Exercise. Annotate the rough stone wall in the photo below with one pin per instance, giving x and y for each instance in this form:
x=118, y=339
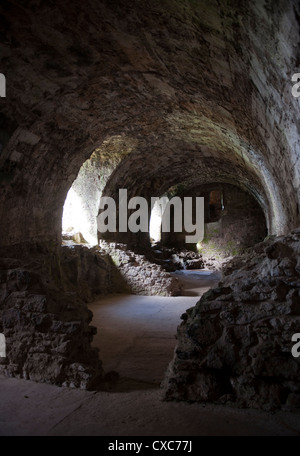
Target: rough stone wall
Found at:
x=243, y=220
x=47, y=331
x=235, y=345
x=86, y=271
x=241, y=223
x=113, y=268
x=44, y=316
x=203, y=88
x=82, y=203
x=135, y=274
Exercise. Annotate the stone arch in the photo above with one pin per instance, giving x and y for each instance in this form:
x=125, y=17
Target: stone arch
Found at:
x=211, y=101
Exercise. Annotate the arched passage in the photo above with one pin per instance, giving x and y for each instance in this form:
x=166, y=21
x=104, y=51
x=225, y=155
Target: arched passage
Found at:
x=102, y=176
x=198, y=92
x=175, y=111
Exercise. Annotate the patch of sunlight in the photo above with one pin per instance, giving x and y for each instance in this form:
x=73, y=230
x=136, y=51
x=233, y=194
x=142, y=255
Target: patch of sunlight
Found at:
x=75, y=218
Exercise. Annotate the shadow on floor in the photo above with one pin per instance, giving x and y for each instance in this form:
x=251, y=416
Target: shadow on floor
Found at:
x=126, y=384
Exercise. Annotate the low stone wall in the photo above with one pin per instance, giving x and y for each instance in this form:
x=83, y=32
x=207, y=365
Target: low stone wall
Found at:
x=86, y=271
x=43, y=311
x=135, y=274
x=113, y=268
x=235, y=345
x=48, y=337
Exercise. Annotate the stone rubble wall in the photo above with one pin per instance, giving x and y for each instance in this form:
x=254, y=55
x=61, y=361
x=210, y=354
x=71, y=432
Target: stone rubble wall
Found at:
x=44, y=316
x=48, y=337
x=86, y=271
x=135, y=274
x=235, y=345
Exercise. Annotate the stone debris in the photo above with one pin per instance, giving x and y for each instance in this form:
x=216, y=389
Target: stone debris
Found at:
x=172, y=259
x=48, y=337
x=235, y=345
x=135, y=274
x=44, y=315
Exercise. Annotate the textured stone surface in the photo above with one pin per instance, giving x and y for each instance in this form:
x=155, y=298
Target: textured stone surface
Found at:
x=172, y=259
x=86, y=271
x=133, y=273
x=235, y=344
x=202, y=90
x=195, y=92
x=82, y=202
x=44, y=316
x=47, y=331
x=239, y=223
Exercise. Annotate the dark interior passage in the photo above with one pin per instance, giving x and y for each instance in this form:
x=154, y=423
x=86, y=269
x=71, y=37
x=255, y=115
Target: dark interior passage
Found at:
x=176, y=98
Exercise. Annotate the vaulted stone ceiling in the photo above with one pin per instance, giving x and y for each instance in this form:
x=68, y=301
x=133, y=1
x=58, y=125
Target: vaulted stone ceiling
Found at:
x=201, y=90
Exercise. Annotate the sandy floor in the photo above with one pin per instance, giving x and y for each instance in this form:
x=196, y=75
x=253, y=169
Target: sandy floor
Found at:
x=136, y=335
